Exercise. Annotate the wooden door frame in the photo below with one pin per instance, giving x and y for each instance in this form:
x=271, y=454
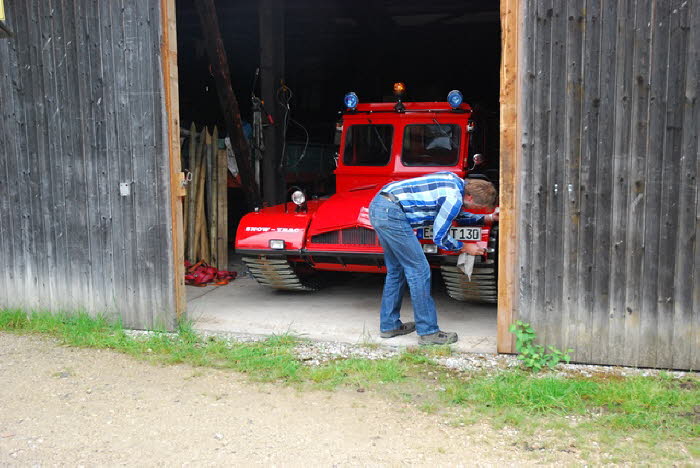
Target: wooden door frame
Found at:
x=510, y=156
x=177, y=191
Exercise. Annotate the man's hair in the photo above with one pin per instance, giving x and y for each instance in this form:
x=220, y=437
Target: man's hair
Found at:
x=482, y=191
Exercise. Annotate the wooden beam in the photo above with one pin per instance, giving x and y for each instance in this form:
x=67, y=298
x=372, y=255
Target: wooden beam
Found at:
x=272, y=45
x=172, y=107
x=222, y=216
x=213, y=195
x=227, y=98
x=509, y=179
x=193, y=163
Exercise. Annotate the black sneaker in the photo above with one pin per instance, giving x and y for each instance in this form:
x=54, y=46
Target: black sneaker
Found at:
x=438, y=338
x=404, y=329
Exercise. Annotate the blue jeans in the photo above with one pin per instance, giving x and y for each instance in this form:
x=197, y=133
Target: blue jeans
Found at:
x=405, y=264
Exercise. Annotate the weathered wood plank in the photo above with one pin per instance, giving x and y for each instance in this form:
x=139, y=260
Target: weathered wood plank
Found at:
x=686, y=304
x=551, y=323
x=89, y=158
x=33, y=131
x=540, y=155
x=656, y=115
x=572, y=154
x=8, y=125
x=144, y=160
x=528, y=73
x=101, y=154
x=603, y=174
x=620, y=181
x=111, y=54
x=670, y=181
x=589, y=158
x=20, y=195
x=636, y=174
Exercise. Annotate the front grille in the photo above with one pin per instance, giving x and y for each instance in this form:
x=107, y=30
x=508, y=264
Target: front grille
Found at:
x=353, y=236
x=354, y=260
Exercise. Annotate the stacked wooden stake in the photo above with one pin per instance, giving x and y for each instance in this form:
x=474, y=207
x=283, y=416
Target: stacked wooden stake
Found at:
x=206, y=202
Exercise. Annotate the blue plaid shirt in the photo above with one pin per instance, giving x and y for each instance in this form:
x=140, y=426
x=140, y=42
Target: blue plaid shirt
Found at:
x=434, y=199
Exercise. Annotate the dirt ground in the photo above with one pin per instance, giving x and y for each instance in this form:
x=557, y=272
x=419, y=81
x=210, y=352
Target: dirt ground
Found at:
x=68, y=406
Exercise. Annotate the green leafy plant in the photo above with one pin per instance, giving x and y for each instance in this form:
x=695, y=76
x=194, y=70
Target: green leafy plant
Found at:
x=533, y=355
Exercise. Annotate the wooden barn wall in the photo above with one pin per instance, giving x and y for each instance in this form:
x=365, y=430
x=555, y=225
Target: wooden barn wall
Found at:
x=81, y=111
x=609, y=208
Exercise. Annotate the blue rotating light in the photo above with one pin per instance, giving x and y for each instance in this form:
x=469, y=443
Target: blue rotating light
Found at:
x=351, y=100
x=454, y=98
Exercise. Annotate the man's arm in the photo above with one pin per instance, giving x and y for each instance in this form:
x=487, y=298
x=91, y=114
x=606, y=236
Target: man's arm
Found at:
x=469, y=219
x=443, y=221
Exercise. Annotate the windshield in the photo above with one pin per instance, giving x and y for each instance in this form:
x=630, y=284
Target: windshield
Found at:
x=431, y=145
x=368, y=145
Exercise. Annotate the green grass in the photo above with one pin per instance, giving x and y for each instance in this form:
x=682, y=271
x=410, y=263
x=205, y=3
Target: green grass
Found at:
x=659, y=404
x=629, y=416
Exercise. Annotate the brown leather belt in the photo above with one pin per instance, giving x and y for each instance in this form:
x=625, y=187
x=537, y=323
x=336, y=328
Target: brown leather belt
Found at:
x=389, y=197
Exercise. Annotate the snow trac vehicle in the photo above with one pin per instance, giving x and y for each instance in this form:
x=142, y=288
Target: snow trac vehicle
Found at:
x=288, y=246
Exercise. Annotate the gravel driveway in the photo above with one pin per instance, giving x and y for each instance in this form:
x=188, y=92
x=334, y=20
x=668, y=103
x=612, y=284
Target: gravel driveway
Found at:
x=68, y=406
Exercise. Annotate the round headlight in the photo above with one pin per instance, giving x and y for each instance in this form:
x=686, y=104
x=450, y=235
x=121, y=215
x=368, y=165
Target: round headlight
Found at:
x=351, y=100
x=454, y=97
x=298, y=197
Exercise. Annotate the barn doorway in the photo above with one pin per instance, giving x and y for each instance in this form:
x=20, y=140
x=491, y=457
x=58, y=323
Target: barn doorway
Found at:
x=329, y=48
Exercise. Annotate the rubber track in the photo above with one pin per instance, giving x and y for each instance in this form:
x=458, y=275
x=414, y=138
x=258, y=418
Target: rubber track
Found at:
x=276, y=273
x=483, y=286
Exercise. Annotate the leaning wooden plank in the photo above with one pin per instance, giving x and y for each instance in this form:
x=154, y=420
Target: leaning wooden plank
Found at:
x=213, y=191
x=208, y=156
x=222, y=211
x=194, y=149
x=204, y=240
x=199, y=210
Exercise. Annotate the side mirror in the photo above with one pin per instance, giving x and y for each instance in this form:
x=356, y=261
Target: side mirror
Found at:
x=479, y=159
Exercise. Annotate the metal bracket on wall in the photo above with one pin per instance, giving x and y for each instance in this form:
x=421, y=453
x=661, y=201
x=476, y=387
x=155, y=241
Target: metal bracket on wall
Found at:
x=124, y=189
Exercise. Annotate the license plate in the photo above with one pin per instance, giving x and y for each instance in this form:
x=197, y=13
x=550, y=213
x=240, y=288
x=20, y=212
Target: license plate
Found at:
x=458, y=233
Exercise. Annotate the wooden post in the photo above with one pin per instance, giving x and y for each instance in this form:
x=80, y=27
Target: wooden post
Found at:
x=222, y=215
x=199, y=210
x=271, y=21
x=213, y=197
x=227, y=98
x=509, y=184
x=170, y=84
x=195, y=150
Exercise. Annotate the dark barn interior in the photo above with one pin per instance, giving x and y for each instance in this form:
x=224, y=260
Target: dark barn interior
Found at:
x=331, y=47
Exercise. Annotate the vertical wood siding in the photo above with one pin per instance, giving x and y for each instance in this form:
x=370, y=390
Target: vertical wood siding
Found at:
x=81, y=111
x=609, y=204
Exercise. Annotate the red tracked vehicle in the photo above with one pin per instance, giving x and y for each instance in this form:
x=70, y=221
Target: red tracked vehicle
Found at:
x=288, y=246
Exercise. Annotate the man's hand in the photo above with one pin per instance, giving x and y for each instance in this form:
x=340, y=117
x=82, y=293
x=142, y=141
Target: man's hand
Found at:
x=472, y=249
x=491, y=218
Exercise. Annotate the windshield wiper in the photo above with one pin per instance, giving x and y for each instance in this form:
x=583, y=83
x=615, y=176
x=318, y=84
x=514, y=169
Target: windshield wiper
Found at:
x=440, y=127
x=374, y=127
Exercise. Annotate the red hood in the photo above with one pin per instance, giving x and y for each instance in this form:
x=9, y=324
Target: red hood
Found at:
x=343, y=210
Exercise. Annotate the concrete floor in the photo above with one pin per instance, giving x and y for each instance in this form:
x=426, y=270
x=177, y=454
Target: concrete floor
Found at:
x=347, y=311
